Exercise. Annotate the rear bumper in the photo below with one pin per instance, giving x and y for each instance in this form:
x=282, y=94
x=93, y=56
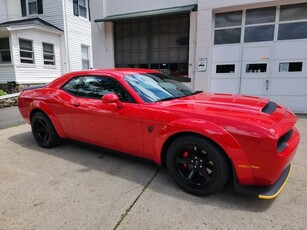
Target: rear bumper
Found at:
x=261, y=192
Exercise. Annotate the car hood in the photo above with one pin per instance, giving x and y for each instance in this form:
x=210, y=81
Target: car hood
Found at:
x=222, y=108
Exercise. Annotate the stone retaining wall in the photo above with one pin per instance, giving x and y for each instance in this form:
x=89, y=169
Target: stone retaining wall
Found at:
x=9, y=100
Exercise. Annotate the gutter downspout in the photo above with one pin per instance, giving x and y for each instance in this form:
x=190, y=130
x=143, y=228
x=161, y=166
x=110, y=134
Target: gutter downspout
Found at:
x=65, y=21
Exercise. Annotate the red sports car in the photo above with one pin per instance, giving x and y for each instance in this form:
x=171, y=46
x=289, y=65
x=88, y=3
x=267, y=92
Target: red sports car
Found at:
x=202, y=138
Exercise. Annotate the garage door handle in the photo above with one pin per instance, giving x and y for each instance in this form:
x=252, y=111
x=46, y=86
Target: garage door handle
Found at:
x=267, y=85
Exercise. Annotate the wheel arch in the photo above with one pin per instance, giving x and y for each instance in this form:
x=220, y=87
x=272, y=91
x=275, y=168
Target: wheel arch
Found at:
x=172, y=138
x=211, y=132
x=39, y=106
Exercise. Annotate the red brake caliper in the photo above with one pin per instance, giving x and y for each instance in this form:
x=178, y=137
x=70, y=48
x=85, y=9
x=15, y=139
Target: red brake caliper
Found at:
x=185, y=155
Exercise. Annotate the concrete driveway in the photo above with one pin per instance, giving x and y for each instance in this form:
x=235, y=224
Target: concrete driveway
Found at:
x=75, y=186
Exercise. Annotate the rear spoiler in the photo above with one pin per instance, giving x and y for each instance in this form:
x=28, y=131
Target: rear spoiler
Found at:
x=34, y=87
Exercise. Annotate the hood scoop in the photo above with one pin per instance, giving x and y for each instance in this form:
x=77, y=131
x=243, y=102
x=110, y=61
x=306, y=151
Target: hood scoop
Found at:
x=269, y=108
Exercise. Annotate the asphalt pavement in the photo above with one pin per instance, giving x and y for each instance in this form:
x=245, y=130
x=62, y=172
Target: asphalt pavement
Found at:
x=74, y=186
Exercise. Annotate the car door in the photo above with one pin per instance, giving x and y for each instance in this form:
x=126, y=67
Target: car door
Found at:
x=104, y=124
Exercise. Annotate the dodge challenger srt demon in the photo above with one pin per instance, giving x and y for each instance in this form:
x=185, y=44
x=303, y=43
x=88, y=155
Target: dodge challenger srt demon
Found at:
x=202, y=138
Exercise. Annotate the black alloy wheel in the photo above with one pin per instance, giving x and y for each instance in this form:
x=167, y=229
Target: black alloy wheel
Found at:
x=43, y=131
x=197, y=165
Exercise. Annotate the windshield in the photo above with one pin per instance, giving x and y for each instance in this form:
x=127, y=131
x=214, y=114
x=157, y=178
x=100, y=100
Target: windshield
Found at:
x=152, y=87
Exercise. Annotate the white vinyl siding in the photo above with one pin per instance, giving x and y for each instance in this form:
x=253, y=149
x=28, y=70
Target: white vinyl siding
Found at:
x=7, y=73
x=3, y=11
x=79, y=33
x=52, y=11
x=37, y=72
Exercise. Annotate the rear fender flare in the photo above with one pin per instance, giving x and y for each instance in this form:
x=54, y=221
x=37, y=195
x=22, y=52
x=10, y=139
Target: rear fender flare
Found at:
x=41, y=105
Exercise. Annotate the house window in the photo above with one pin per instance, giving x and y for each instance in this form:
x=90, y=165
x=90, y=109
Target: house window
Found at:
x=30, y=7
x=5, y=54
x=26, y=51
x=85, y=57
x=80, y=8
x=48, y=52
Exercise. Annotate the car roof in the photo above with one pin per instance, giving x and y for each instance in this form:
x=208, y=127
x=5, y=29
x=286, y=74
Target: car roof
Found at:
x=118, y=71
x=115, y=72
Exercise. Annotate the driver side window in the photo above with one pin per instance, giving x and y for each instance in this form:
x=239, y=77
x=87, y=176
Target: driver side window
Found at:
x=95, y=87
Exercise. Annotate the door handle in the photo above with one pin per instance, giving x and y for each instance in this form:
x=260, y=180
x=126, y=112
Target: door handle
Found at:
x=76, y=104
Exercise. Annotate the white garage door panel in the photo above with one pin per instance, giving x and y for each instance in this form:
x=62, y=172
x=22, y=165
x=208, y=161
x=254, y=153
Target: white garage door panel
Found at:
x=224, y=86
x=253, y=87
x=256, y=54
x=294, y=103
x=291, y=50
x=289, y=87
x=227, y=54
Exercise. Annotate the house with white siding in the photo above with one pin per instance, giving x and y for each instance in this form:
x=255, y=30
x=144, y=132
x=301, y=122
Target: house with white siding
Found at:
x=254, y=47
x=43, y=39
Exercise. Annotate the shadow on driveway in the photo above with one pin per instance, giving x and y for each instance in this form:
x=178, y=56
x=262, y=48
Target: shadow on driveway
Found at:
x=130, y=168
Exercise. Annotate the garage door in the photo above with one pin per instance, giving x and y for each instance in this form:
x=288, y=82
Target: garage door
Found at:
x=262, y=52
x=278, y=72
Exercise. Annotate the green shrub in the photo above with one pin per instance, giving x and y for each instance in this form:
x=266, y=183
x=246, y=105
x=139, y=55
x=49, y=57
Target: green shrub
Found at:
x=2, y=92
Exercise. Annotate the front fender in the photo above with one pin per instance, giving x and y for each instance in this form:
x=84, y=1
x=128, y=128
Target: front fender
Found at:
x=43, y=106
x=211, y=131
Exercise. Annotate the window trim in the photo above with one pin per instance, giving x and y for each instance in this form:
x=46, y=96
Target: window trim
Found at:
x=27, y=51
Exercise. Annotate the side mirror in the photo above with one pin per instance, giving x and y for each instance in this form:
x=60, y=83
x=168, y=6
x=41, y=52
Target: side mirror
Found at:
x=112, y=98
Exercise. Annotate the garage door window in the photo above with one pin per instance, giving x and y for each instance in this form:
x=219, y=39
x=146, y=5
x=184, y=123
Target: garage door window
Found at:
x=290, y=66
x=293, y=12
x=228, y=28
x=293, y=22
x=258, y=25
x=225, y=68
x=256, y=68
x=262, y=15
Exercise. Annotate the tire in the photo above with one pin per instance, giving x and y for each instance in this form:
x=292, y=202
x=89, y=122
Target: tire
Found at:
x=43, y=131
x=197, y=165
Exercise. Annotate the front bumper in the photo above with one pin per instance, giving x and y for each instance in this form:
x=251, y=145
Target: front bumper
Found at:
x=262, y=192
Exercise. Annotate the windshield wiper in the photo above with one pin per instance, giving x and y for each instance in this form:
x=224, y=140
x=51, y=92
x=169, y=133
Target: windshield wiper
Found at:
x=168, y=98
x=196, y=92
x=171, y=98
